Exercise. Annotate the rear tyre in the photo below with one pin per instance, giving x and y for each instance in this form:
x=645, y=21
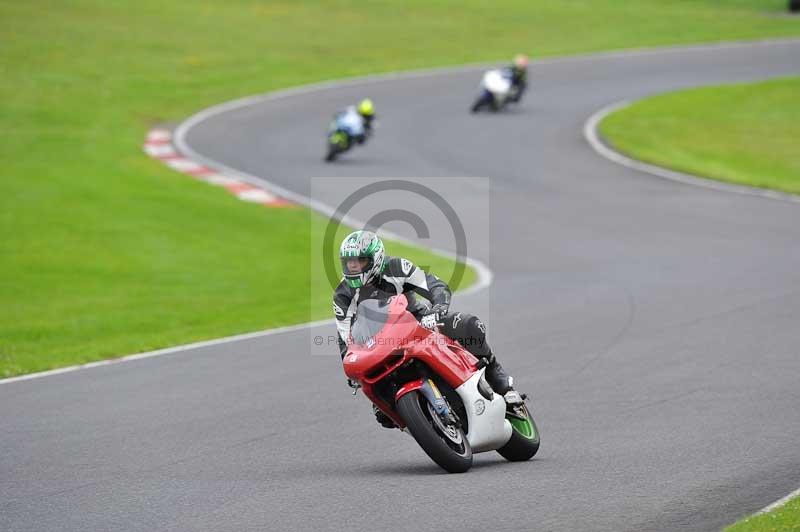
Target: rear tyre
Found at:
x=448, y=447
x=524, y=442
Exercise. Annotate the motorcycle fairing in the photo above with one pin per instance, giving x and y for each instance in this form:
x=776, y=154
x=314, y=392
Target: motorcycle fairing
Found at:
x=392, y=346
x=489, y=429
x=428, y=388
x=401, y=340
x=498, y=84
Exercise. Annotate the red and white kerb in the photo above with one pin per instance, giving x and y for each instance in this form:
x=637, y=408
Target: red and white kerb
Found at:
x=158, y=145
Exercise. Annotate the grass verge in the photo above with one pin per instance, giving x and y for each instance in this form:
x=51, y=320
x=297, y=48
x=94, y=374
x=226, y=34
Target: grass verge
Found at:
x=783, y=519
x=745, y=134
x=104, y=251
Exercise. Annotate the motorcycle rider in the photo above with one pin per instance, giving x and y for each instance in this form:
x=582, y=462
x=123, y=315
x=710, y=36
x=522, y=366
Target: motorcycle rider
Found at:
x=356, y=121
x=366, y=109
x=518, y=73
x=370, y=274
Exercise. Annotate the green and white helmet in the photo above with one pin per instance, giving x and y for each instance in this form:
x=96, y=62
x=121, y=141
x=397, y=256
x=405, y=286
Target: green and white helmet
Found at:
x=367, y=248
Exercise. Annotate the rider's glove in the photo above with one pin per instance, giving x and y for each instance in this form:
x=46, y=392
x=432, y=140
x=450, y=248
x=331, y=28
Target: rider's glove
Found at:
x=429, y=321
x=440, y=309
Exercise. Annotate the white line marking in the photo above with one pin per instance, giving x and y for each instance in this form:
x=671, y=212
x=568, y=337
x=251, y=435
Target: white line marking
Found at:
x=202, y=115
x=592, y=136
x=779, y=502
x=256, y=195
x=220, y=180
x=484, y=274
x=159, y=150
x=183, y=165
x=171, y=350
x=159, y=135
x=590, y=132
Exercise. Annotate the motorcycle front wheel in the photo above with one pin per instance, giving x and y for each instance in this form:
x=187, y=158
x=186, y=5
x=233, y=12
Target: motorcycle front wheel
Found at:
x=483, y=100
x=445, y=445
x=331, y=155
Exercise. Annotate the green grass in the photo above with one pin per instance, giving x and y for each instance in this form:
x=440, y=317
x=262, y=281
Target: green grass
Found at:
x=783, y=519
x=745, y=134
x=105, y=252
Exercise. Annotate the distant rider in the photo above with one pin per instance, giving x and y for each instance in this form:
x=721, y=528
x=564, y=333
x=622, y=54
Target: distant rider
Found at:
x=366, y=109
x=370, y=274
x=518, y=73
x=356, y=121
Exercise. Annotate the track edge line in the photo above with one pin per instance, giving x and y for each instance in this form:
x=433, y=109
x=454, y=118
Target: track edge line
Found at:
x=602, y=148
x=485, y=275
x=780, y=502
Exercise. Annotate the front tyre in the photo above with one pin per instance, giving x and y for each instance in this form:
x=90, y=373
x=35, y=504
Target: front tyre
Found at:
x=331, y=155
x=483, y=100
x=524, y=442
x=446, y=445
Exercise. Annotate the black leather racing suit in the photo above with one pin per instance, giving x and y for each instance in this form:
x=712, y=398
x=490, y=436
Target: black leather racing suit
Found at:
x=400, y=276
x=368, y=119
x=519, y=82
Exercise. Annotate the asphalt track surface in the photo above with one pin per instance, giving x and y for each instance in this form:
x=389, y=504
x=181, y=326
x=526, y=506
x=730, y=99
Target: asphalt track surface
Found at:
x=654, y=323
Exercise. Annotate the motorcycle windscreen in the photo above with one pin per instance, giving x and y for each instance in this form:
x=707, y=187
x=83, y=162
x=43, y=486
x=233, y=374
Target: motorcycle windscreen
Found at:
x=496, y=82
x=351, y=122
x=371, y=316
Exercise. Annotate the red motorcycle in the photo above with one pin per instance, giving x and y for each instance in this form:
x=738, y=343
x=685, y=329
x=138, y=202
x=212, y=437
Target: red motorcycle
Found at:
x=433, y=388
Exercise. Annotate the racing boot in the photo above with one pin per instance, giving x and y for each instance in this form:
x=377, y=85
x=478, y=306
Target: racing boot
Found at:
x=383, y=419
x=500, y=381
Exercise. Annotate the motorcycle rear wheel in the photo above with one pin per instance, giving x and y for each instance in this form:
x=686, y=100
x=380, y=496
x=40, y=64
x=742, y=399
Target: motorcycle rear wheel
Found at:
x=451, y=452
x=525, y=439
